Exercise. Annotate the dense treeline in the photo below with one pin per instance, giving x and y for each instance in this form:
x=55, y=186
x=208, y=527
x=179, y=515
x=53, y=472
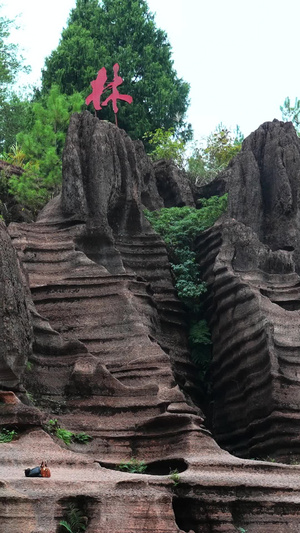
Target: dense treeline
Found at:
x=33, y=128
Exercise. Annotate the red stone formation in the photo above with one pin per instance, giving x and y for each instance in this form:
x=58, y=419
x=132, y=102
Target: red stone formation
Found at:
x=15, y=327
x=110, y=359
x=251, y=261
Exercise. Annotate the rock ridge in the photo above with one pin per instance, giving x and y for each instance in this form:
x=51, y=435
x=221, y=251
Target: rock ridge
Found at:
x=110, y=358
x=250, y=260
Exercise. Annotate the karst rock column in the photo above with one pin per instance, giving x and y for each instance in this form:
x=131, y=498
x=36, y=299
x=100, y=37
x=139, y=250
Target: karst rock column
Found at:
x=250, y=260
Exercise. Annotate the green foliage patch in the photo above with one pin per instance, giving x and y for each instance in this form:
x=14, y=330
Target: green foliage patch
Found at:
x=39, y=150
x=291, y=113
x=81, y=438
x=179, y=226
x=134, y=466
x=175, y=477
x=11, y=63
x=163, y=144
x=221, y=146
x=53, y=427
x=200, y=343
x=7, y=435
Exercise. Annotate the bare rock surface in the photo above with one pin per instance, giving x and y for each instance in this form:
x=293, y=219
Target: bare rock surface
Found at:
x=110, y=359
x=173, y=186
x=15, y=325
x=250, y=260
x=217, y=491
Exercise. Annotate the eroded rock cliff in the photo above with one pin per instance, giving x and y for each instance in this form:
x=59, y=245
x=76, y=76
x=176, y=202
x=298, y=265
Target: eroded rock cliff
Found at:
x=15, y=327
x=250, y=260
x=110, y=359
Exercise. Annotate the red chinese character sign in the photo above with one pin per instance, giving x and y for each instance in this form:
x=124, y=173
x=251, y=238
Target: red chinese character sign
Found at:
x=98, y=86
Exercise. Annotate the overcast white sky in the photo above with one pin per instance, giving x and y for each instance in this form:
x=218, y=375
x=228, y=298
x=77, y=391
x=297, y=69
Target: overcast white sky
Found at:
x=240, y=57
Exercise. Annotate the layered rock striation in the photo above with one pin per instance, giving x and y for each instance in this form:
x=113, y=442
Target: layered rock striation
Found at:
x=16, y=335
x=109, y=358
x=115, y=337
x=250, y=260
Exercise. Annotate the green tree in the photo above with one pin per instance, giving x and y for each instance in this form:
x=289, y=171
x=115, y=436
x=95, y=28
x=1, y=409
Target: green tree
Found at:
x=124, y=32
x=291, y=113
x=39, y=151
x=221, y=146
x=16, y=116
x=10, y=61
x=13, y=111
x=165, y=145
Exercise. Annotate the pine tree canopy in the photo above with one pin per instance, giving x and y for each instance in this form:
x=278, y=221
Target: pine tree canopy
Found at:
x=100, y=34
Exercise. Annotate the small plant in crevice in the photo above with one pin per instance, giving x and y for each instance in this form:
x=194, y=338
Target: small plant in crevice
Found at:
x=241, y=530
x=30, y=397
x=29, y=366
x=294, y=461
x=267, y=459
x=81, y=438
x=201, y=348
x=133, y=466
x=7, y=435
x=65, y=435
x=53, y=428
x=270, y=459
x=75, y=521
x=175, y=477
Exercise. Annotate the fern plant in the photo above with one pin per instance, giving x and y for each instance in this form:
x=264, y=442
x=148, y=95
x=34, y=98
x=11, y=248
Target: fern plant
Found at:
x=75, y=521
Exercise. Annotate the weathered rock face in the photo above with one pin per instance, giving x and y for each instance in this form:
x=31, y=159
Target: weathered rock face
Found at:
x=104, y=179
x=15, y=326
x=172, y=185
x=266, y=176
x=250, y=260
x=115, y=332
x=108, y=178
x=110, y=358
